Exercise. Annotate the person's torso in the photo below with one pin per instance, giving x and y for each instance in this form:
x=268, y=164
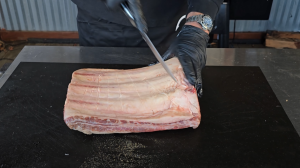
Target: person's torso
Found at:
x=157, y=12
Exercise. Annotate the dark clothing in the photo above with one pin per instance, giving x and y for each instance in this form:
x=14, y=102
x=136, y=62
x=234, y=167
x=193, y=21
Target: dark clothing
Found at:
x=107, y=34
x=99, y=26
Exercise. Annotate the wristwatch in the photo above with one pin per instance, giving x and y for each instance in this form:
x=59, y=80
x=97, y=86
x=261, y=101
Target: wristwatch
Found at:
x=204, y=20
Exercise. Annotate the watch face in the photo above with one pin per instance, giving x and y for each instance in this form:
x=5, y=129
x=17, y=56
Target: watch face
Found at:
x=207, y=21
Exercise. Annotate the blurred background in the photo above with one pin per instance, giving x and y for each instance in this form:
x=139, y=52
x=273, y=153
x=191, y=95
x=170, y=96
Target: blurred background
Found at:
x=240, y=24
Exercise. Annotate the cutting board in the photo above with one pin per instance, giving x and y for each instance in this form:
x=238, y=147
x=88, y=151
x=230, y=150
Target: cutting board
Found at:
x=242, y=125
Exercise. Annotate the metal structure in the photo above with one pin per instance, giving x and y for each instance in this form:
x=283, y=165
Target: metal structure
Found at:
x=38, y=15
x=60, y=15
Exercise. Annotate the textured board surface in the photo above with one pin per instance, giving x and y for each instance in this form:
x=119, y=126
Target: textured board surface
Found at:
x=242, y=125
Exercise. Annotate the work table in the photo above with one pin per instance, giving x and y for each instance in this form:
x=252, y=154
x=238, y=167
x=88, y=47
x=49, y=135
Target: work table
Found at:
x=281, y=67
x=248, y=96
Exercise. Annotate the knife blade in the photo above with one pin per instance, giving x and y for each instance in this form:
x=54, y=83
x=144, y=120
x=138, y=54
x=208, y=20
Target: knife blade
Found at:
x=148, y=41
x=157, y=55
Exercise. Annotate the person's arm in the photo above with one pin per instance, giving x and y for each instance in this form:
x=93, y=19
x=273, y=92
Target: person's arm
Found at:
x=191, y=42
x=136, y=9
x=207, y=7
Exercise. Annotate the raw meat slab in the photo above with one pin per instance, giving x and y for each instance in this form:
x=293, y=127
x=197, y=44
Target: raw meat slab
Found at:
x=102, y=101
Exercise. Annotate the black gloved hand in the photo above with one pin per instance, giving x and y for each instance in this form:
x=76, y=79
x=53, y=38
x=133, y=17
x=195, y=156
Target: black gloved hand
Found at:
x=135, y=8
x=190, y=48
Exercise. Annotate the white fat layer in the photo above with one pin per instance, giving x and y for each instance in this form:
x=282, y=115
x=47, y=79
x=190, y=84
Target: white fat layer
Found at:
x=133, y=96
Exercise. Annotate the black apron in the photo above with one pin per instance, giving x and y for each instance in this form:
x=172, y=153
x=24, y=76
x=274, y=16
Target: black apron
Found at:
x=99, y=26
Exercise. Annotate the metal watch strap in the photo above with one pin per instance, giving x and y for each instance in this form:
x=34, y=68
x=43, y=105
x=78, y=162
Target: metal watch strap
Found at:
x=195, y=18
x=198, y=18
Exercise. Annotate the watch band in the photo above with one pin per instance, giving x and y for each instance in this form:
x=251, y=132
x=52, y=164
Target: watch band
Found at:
x=199, y=19
x=195, y=18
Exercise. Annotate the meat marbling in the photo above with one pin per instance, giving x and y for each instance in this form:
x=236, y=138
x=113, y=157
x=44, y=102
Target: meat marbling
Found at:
x=103, y=101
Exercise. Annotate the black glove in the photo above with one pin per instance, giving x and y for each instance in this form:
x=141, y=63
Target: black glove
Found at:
x=190, y=48
x=135, y=8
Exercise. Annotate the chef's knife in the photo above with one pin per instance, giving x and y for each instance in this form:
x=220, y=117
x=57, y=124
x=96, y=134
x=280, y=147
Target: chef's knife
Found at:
x=148, y=41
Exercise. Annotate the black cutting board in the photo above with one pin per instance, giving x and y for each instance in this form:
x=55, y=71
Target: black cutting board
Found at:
x=243, y=125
